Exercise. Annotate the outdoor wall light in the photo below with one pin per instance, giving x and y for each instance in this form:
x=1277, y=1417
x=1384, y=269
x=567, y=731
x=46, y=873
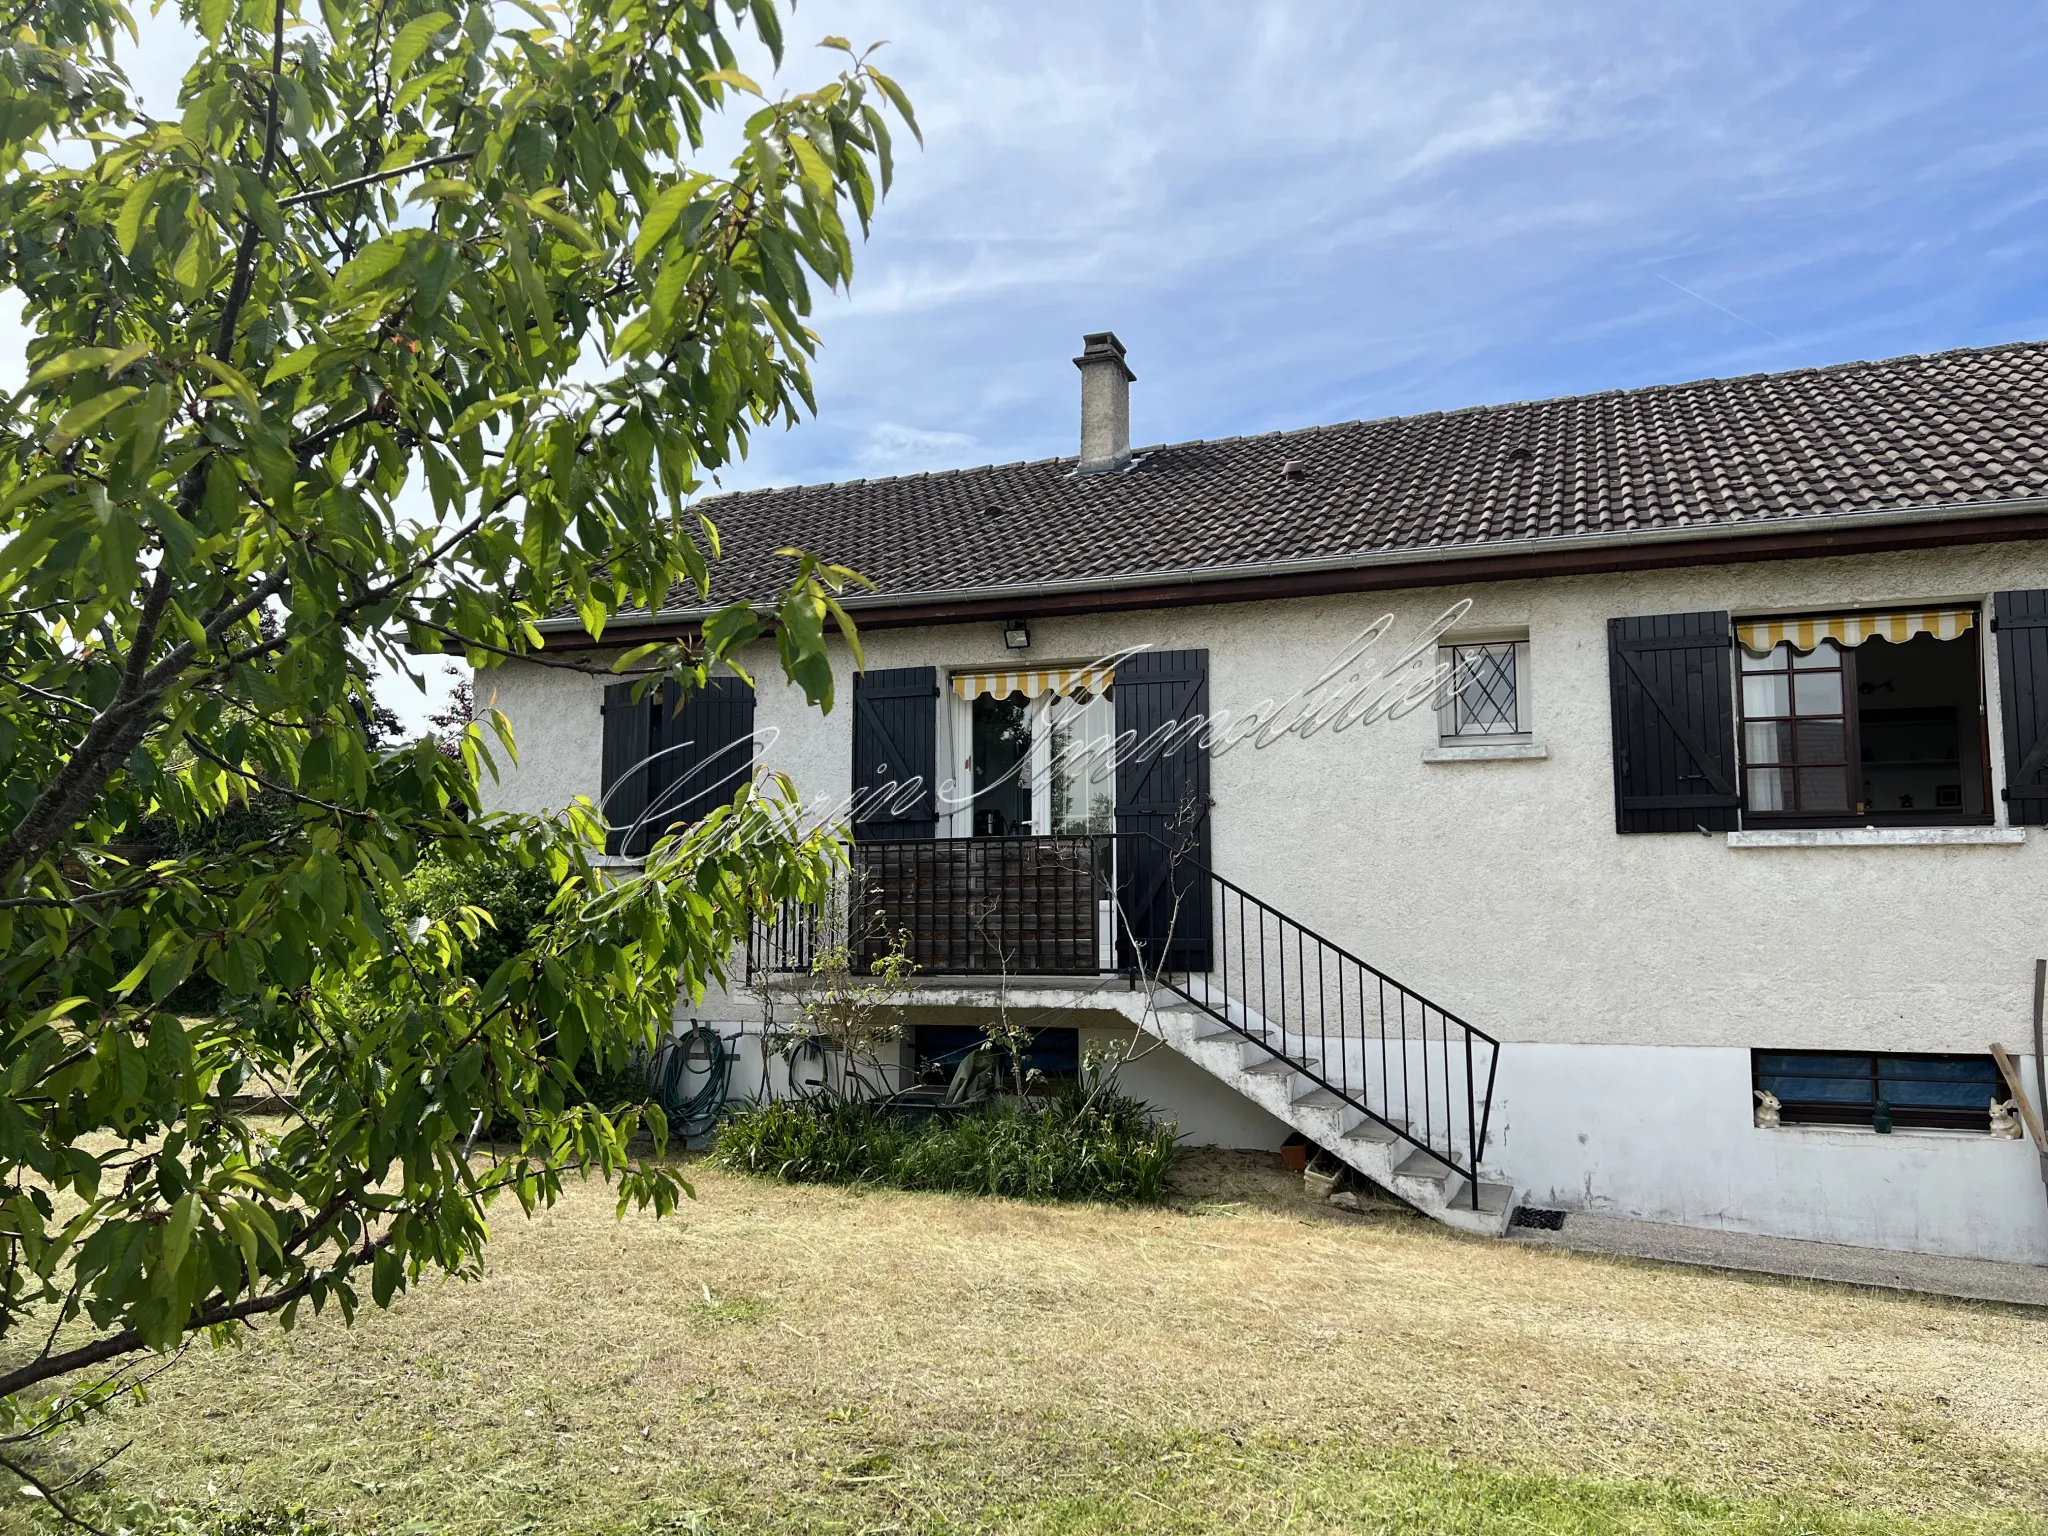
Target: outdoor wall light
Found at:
x=1017, y=635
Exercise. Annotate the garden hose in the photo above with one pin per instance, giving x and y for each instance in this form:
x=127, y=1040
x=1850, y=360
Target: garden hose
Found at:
x=799, y=1050
x=692, y=1112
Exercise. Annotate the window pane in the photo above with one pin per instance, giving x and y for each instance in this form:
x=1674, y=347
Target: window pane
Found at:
x=1822, y=741
x=1826, y=654
x=1799, y=1078
x=1765, y=695
x=1771, y=660
x=1002, y=766
x=1770, y=789
x=1847, y=1064
x=1485, y=689
x=1971, y=1083
x=1770, y=742
x=1823, y=789
x=1818, y=693
x=1083, y=763
x=1817, y=1090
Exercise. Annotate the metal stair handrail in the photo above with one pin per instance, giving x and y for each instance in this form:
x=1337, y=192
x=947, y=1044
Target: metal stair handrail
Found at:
x=1312, y=993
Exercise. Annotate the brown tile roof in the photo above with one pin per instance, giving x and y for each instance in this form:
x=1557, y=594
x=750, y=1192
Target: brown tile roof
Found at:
x=1967, y=426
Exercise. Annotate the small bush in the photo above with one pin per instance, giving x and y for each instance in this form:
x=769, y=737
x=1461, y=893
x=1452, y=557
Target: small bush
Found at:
x=1068, y=1148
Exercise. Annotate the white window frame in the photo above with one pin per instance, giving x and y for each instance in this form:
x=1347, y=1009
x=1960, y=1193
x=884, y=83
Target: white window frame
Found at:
x=959, y=822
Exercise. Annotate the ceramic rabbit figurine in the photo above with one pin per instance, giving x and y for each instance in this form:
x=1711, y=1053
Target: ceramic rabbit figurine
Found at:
x=2005, y=1120
x=1767, y=1107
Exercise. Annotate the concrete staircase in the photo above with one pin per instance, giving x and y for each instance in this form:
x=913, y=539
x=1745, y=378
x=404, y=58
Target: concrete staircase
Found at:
x=1226, y=1041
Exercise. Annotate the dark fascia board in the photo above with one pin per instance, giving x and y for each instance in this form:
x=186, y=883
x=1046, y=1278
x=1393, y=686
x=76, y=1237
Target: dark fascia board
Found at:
x=1801, y=538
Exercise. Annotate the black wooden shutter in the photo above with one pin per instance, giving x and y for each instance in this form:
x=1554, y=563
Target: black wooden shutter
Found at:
x=628, y=742
x=1674, y=723
x=704, y=746
x=2020, y=620
x=1162, y=808
x=895, y=753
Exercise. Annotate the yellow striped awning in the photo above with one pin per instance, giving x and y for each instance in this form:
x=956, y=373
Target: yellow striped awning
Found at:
x=1852, y=629
x=1061, y=680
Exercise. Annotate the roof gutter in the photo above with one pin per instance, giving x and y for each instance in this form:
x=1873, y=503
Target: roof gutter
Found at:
x=1763, y=538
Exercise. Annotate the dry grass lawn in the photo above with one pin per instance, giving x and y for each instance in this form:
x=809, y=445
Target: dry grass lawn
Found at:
x=818, y=1359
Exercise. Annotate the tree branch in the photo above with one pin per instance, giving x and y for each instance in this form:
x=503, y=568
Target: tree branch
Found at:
x=373, y=177
x=252, y=234
x=129, y=1340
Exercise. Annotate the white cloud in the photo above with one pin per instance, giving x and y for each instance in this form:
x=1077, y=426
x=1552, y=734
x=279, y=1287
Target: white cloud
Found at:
x=897, y=447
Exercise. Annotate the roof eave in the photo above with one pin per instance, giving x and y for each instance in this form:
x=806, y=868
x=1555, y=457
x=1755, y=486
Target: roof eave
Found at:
x=1556, y=549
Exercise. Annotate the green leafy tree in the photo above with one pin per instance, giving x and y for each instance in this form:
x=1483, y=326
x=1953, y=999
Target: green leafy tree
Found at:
x=414, y=326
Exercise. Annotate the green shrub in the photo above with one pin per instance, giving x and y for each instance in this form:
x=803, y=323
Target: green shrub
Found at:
x=1067, y=1148
x=517, y=897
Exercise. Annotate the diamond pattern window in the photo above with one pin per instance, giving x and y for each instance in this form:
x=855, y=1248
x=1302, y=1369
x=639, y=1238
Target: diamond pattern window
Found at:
x=1486, y=690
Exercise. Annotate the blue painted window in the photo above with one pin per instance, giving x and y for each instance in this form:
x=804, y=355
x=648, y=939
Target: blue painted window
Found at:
x=1843, y=1088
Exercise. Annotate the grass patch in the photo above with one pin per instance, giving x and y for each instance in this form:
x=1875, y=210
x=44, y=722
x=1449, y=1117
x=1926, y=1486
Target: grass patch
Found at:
x=710, y=1312
x=1236, y=1358
x=1187, y=1488
x=1070, y=1147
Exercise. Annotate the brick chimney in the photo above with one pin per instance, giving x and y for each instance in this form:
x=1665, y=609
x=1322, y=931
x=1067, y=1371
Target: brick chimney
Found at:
x=1105, y=404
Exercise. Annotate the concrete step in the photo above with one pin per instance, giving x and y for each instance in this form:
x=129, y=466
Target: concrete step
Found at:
x=1424, y=1168
x=1230, y=1037
x=1319, y=1098
x=1372, y=1131
x=1496, y=1206
x=1373, y=1151
x=1277, y=1066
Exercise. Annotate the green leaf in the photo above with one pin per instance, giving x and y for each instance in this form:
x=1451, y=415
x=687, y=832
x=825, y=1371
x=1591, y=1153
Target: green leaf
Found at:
x=731, y=77
x=128, y=224
x=77, y=360
x=86, y=415
x=812, y=171
x=661, y=217
x=377, y=261
x=213, y=18
x=386, y=1271
x=474, y=415
x=768, y=25
x=232, y=377
x=414, y=37
x=177, y=1242
x=291, y=364
x=899, y=101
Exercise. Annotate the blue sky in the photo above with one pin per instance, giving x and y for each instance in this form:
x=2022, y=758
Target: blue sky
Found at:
x=1305, y=213
x=1297, y=213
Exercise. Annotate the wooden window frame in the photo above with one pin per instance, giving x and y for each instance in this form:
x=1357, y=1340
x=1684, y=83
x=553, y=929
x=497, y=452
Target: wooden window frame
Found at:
x=1845, y=670
x=1858, y=816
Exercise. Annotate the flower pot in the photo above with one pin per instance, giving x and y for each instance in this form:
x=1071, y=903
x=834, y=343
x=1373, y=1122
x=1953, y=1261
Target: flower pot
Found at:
x=1320, y=1179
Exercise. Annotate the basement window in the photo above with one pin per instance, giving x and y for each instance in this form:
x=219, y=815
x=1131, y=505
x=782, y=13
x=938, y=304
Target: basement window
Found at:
x=1054, y=1054
x=1939, y=1092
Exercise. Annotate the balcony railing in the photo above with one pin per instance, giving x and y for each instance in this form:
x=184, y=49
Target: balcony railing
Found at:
x=977, y=906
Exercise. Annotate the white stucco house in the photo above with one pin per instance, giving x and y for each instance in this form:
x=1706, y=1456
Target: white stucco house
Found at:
x=1504, y=799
